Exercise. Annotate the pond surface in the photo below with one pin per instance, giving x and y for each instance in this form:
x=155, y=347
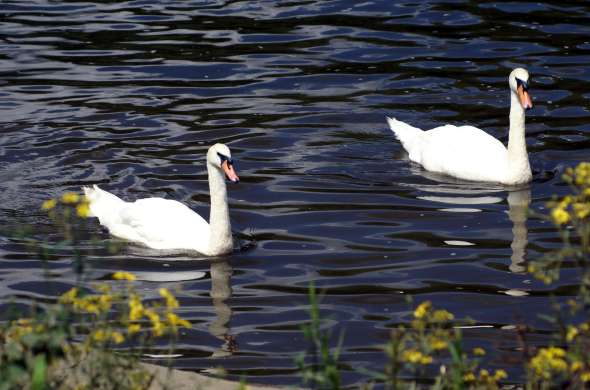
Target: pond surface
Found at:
x=129, y=95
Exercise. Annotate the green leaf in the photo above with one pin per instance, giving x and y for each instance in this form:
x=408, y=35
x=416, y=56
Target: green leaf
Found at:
x=39, y=373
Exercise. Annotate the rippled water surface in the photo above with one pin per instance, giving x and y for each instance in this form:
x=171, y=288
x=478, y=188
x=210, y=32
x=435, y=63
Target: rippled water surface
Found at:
x=129, y=95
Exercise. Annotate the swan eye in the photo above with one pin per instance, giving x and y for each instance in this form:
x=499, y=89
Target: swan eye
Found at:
x=524, y=84
x=225, y=158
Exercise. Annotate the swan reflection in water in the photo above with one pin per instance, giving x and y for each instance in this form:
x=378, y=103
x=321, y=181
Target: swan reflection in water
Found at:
x=457, y=192
x=220, y=272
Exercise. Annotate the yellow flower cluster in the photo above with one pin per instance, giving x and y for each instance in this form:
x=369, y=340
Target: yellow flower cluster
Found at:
x=159, y=324
x=19, y=329
x=122, y=275
x=171, y=302
x=101, y=304
x=573, y=208
x=579, y=176
x=422, y=309
x=416, y=357
x=424, y=312
x=548, y=361
x=102, y=336
x=437, y=343
x=70, y=199
x=484, y=379
x=96, y=304
x=552, y=361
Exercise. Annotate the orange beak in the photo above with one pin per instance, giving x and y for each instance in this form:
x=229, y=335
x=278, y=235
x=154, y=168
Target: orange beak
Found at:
x=230, y=173
x=525, y=99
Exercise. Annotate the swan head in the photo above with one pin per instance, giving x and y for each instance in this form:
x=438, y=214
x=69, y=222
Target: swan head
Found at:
x=519, y=85
x=219, y=156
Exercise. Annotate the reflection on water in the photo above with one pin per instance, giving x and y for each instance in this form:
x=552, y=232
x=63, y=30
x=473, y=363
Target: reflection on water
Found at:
x=221, y=272
x=518, y=203
x=518, y=209
x=129, y=95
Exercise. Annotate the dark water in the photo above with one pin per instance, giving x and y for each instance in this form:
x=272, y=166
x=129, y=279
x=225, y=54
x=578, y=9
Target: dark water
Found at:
x=129, y=95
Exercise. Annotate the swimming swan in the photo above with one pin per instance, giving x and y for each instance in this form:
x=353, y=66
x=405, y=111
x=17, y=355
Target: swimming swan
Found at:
x=167, y=224
x=469, y=153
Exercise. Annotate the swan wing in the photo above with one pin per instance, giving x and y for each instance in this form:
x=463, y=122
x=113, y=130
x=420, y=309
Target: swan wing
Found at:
x=465, y=152
x=162, y=224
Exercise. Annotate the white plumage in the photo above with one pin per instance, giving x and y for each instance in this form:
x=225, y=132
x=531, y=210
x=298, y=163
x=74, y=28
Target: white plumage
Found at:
x=469, y=153
x=167, y=224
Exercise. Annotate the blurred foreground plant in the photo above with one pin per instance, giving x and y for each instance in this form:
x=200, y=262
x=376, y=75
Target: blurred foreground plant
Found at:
x=571, y=215
x=567, y=363
x=72, y=343
x=323, y=371
x=430, y=346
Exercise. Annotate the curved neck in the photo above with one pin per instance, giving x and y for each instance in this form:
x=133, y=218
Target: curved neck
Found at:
x=220, y=239
x=517, y=153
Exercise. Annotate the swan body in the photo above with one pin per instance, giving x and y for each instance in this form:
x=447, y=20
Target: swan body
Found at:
x=469, y=153
x=167, y=224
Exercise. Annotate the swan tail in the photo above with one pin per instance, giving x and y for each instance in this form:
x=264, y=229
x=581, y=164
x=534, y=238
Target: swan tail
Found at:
x=410, y=137
x=102, y=203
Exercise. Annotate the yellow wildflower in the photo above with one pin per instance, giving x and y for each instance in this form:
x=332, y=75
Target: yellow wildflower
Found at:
x=484, y=374
x=414, y=356
x=48, y=204
x=426, y=360
x=69, y=296
x=136, y=309
x=70, y=198
x=422, y=309
x=157, y=326
x=83, y=210
x=105, y=302
x=19, y=328
x=171, y=302
x=99, y=335
x=582, y=173
x=133, y=328
x=560, y=216
x=175, y=321
x=585, y=327
x=500, y=374
x=442, y=316
x=581, y=210
x=117, y=337
x=548, y=360
x=478, y=351
x=438, y=344
x=585, y=376
x=469, y=377
x=87, y=305
x=576, y=366
x=122, y=275
x=572, y=332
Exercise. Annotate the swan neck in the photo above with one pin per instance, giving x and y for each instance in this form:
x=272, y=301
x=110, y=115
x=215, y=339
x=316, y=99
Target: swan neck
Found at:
x=517, y=151
x=220, y=240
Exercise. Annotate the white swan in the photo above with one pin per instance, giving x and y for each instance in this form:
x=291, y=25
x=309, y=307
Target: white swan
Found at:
x=167, y=224
x=469, y=153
